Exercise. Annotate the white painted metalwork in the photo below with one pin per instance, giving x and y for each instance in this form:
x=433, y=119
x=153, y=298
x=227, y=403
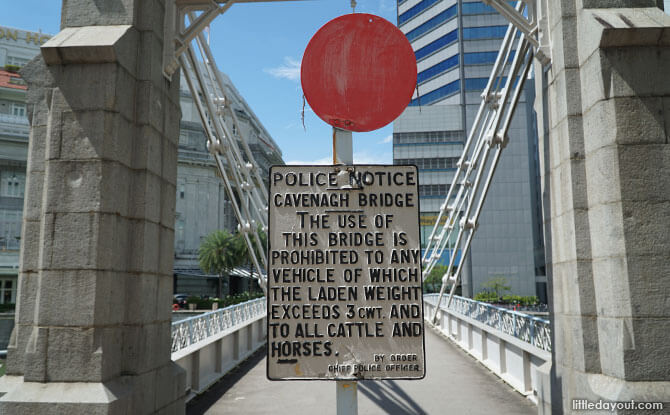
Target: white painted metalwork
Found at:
x=186, y=48
x=178, y=36
x=192, y=330
x=346, y=391
x=512, y=345
x=210, y=345
x=533, y=330
x=486, y=141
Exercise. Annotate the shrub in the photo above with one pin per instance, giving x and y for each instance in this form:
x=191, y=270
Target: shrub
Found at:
x=530, y=301
x=206, y=304
x=512, y=299
x=486, y=297
x=239, y=298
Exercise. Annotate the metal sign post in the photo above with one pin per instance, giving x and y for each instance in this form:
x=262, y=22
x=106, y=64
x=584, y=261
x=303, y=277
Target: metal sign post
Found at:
x=346, y=390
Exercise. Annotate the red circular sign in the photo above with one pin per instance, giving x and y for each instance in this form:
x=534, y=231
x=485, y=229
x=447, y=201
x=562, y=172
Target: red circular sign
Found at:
x=358, y=72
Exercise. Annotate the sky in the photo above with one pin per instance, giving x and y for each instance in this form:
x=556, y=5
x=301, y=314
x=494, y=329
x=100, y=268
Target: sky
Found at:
x=260, y=47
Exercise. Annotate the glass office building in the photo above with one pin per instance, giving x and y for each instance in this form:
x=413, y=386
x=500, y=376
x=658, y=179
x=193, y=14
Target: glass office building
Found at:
x=456, y=43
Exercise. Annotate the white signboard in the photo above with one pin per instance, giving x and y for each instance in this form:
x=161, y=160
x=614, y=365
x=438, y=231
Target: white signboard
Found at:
x=344, y=273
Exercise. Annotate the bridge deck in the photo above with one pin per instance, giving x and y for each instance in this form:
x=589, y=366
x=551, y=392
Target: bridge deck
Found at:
x=454, y=384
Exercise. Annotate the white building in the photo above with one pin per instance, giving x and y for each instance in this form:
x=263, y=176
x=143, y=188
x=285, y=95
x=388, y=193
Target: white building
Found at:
x=202, y=205
x=17, y=47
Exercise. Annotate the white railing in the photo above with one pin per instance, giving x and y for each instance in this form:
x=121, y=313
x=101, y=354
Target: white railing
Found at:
x=192, y=330
x=209, y=345
x=513, y=345
x=531, y=329
x=14, y=119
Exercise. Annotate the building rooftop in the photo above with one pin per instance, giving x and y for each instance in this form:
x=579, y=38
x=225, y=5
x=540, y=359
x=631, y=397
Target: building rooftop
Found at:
x=11, y=80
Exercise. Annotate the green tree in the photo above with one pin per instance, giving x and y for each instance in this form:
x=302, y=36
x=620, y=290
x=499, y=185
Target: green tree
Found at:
x=433, y=281
x=246, y=258
x=219, y=253
x=498, y=286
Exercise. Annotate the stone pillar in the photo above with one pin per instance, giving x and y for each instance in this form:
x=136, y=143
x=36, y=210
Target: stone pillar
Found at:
x=606, y=195
x=93, y=321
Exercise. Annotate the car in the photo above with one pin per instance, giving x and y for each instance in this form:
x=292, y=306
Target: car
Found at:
x=180, y=300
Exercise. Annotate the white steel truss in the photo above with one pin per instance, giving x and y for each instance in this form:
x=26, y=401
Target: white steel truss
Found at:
x=486, y=140
x=187, y=48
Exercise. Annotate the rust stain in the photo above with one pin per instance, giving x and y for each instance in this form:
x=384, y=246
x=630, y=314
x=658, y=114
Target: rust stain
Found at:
x=298, y=372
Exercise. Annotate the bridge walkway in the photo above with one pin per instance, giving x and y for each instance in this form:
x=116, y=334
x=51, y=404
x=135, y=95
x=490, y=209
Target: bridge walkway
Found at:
x=454, y=384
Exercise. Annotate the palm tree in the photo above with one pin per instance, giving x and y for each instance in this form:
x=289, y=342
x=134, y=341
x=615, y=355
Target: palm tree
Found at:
x=245, y=252
x=219, y=253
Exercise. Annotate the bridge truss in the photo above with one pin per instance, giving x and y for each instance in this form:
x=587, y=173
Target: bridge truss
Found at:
x=488, y=137
x=186, y=48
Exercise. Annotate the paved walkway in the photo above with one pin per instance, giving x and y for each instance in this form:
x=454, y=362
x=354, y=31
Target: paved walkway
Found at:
x=454, y=384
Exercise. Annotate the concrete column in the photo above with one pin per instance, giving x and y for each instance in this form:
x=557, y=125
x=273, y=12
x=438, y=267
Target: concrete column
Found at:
x=92, y=331
x=607, y=199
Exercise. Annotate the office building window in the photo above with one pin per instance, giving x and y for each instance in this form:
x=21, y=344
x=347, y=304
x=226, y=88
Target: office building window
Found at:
x=436, y=45
x=16, y=61
x=482, y=58
x=427, y=137
x=440, y=163
x=438, y=69
x=478, y=58
x=10, y=228
x=12, y=183
x=437, y=94
x=414, y=11
x=179, y=237
x=432, y=23
x=478, y=84
x=18, y=110
x=475, y=84
x=477, y=7
x=7, y=291
x=486, y=32
x=433, y=190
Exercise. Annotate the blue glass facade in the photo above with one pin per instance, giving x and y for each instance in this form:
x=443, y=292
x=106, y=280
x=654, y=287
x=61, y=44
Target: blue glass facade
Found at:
x=436, y=45
x=486, y=32
x=475, y=84
x=414, y=11
x=438, y=69
x=453, y=68
x=477, y=7
x=431, y=24
x=437, y=94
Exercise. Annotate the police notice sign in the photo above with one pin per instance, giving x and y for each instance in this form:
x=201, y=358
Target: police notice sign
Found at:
x=344, y=273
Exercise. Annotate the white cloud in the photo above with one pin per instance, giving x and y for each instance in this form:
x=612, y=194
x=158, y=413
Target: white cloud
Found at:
x=289, y=70
x=386, y=140
x=363, y=157
x=320, y=162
